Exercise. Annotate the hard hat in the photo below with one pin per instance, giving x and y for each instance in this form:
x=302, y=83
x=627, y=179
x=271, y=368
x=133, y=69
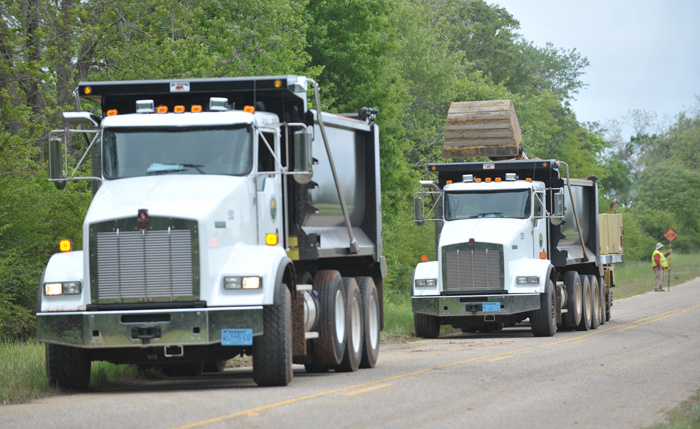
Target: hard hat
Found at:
x=659, y=246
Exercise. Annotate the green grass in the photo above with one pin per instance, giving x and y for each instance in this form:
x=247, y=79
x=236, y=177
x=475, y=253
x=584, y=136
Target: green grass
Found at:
x=637, y=277
x=23, y=374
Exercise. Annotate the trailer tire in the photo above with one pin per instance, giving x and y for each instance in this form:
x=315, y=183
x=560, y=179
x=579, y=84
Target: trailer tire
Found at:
x=330, y=345
x=353, y=327
x=595, y=302
x=601, y=297
x=67, y=367
x=371, y=318
x=586, y=304
x=608, y=305
x=574, y=293
x=544, y=320
x=272, y=351
x=426, y=326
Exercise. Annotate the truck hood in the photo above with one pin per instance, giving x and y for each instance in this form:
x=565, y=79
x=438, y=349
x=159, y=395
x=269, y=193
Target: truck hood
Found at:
x=488, y=230
x=182, y=196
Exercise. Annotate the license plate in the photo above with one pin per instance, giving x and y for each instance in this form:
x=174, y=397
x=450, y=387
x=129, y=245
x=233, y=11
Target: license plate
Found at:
x=491, y=307
x=236, y=337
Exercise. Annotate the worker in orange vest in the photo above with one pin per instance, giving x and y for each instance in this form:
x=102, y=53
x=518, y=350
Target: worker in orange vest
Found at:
x=659, y=264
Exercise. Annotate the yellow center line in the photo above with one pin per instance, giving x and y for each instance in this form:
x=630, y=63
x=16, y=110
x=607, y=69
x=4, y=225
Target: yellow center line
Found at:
x=369, y=389
x=501, y=358
x=372, y=385
x=582, y=341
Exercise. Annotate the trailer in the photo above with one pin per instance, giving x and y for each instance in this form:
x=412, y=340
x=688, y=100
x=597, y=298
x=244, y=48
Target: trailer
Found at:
x=220, y=226
x=515, y=240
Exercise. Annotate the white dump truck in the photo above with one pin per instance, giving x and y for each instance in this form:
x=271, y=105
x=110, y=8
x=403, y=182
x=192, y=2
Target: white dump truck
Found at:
x=220, y=226
x=515, y=239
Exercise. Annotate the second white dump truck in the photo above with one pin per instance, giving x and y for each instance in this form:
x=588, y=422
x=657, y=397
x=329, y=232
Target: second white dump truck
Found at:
x=221, y=226
x=515, y=239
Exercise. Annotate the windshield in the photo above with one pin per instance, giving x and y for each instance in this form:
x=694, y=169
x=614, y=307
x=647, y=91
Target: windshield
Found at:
x=472, y=205
x=131, y=152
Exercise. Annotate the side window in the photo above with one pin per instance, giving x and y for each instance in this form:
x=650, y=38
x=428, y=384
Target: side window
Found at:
x=266, y=161
x=539, y=207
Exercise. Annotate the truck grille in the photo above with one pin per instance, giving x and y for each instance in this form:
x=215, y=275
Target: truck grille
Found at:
x=477, y=270
x=134, y=266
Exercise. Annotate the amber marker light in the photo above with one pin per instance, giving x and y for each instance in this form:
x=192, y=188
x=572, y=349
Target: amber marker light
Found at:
x=278, y=84
x=179, y=109
x=477, y=180
x=424, y=258
x=196, y=108
x=162, y=109
x=249, y=109
x=271, y=239
x=87, y=90
x=112, y=112
x=543, y=255
x=528, y=180
x=488, y=179
x=65, y=245
x=449, y=182
x=498, y=179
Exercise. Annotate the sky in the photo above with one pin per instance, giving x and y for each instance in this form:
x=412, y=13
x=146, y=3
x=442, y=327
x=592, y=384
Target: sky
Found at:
x=643, y=54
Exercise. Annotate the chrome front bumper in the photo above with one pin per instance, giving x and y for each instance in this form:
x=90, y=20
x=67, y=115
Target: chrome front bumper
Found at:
x=487, y=305
x=146, y=328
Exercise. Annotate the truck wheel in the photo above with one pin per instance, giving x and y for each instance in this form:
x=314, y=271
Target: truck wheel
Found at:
x=574, y=297
x=371, y=321
x=595, y=303
x=330, y=345
x=544, y=320
x=353, y=327
x=601, y=286
x=586, y=305
x=272, y=351
x=67, y=367
x=426, y=326
x=608, y=305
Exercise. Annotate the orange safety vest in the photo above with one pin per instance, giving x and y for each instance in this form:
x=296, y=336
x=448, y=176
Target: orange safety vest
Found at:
x=664, y=263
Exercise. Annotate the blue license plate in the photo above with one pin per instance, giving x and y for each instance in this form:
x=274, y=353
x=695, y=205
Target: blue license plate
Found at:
x=491, y=307
x=236, y=337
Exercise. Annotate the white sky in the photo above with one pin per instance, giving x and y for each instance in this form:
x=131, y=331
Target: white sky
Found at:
x=643, y=54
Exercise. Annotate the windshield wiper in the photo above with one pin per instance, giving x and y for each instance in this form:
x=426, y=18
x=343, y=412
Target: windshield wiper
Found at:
x=499, y=214
x=158, y=168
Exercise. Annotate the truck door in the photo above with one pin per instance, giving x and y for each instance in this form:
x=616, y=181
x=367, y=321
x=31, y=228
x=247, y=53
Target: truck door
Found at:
x=269, y=182
x=539, y=229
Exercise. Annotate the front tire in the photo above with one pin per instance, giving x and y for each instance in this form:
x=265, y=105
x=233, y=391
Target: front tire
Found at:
x=272, y=351
x=371, y=317
x=67, y=367
x=544, y=320
x=426, y=326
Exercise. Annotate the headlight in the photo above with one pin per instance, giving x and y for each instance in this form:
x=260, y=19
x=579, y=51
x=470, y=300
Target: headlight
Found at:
x=238, y=282
x=527, y=280
x=62, y=288
x=426, y=282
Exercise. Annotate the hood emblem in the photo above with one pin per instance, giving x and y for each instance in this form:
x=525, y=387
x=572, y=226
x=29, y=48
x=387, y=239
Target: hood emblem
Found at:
x=143, y=219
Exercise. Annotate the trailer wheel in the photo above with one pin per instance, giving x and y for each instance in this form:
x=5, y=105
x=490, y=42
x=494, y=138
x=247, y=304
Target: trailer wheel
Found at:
x=426, y=326
x=574, y=297
x=353, y=327
x=330, y=345
x=595, y=302
x=586, y=305
x=544, y=320
x=371, y=321
x=272, y=351
x=67, y=367
x=601, y=301
x=608, y=305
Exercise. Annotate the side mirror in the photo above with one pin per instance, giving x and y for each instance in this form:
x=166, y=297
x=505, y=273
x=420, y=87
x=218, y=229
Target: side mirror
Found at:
x=418, y=215
x=55, y=156
x=303, y=156
x=558, y=208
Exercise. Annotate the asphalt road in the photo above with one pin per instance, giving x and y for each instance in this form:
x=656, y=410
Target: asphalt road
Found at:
x=625, y=374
